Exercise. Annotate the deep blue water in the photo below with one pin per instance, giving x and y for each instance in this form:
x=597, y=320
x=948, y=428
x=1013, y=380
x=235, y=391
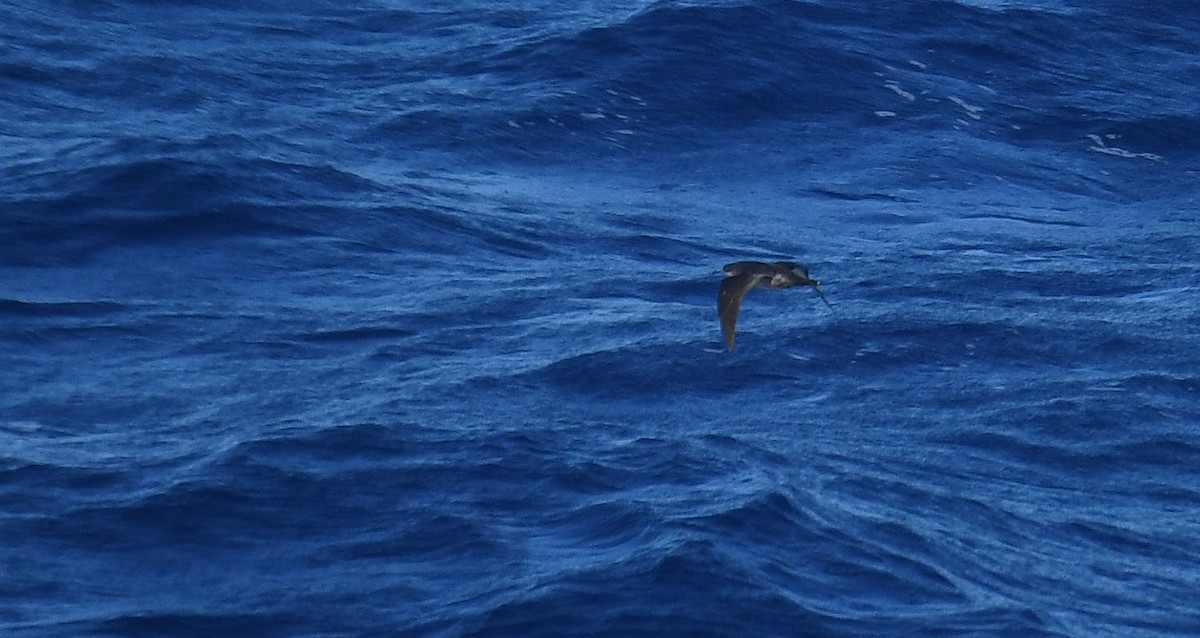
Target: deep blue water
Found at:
x=320, y=319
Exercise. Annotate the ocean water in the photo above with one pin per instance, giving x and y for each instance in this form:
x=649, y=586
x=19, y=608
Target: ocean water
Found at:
x=398, y=319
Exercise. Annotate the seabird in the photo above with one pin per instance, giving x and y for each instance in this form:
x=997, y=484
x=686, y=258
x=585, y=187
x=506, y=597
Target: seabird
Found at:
x=741, y=276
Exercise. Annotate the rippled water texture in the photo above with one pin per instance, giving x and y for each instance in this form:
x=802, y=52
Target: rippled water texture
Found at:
x=399, y=319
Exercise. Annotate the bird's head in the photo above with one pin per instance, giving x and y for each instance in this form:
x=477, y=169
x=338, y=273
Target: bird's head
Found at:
x=798, y=270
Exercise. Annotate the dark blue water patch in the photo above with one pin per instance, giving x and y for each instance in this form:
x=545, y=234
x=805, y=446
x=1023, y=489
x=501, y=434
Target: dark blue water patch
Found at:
x=364, y=334
x=1070, y=442
x=73, y=230
x=22, y=480
x=496, y=471
x=612, y=525
x=640, y=372
x=648, y=86
x=429, y=538
x=645, y=81
x=697, y=58
x=1028, y=449
x=240, y=491
x=1011, y=216
x=1027, y=58
x=446, y=228
x=189, y=176
x=843, y=193
x=1168, y=452
x=16, y=308
x=652, y=248
x=678, y=593
x=198, y=622
x=640, y=77
x=898, y=559
x=503, y=113
x=1122, y=540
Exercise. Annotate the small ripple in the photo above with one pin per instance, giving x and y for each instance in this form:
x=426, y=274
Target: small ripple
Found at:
x=57, y=309
x=356, y=335
x=185, y=622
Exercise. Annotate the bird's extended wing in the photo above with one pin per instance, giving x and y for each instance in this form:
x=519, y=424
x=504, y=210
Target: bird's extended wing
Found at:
x=729, y=301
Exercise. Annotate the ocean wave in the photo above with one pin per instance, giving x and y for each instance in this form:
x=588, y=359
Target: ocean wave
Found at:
x=159, y=201
x=59, y=309
x=328, y=320
x=807, y=77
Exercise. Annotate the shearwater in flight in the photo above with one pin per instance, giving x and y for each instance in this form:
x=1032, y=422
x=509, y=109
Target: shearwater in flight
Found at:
x=741, y=276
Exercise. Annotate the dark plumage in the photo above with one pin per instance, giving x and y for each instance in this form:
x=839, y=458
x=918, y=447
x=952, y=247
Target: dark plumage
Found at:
x=741, y=276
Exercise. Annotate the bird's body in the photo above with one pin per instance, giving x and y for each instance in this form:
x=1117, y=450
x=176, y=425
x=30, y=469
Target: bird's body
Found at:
x=741, y=276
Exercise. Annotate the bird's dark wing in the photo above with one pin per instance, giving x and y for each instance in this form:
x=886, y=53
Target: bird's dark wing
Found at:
x=743, y=267
x=729, y=301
